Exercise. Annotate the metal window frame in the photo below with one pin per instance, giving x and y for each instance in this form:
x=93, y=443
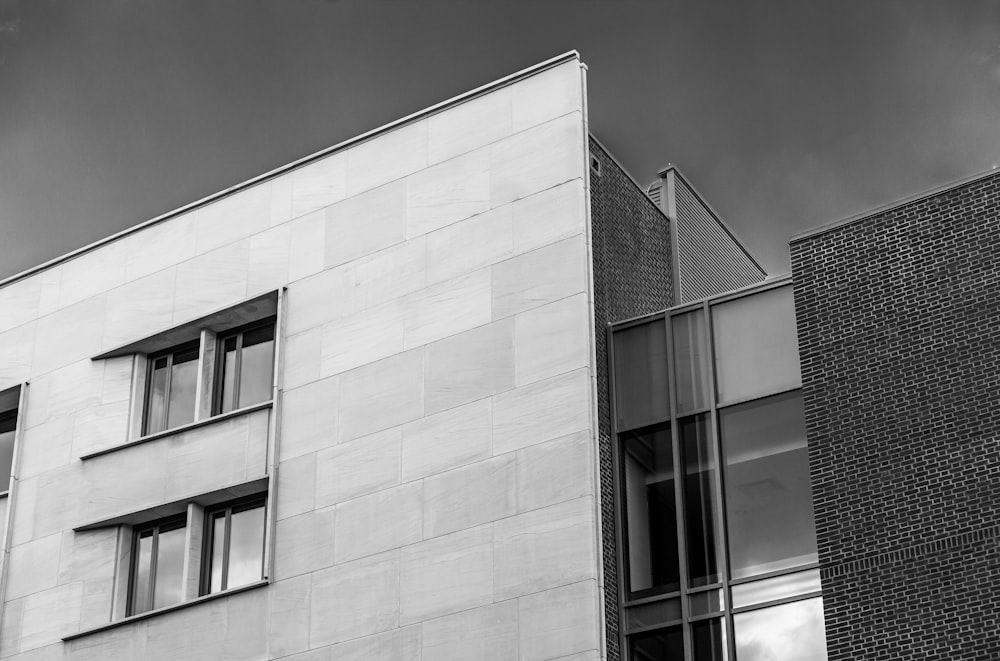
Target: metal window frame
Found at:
x=219, y=394
x=169, y=524
x=227, y=510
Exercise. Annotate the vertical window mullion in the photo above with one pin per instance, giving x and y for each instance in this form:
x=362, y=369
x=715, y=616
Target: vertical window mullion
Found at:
x=225, y=548
x=154, y=552
x=165, y=413
x=237, y=371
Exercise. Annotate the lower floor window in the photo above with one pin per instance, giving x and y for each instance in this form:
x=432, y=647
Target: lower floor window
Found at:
x=169, y=565
x=234, y=546
x=157, y=565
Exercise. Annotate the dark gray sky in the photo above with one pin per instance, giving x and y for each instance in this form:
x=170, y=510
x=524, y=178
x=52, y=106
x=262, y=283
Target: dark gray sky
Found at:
x=784, y=114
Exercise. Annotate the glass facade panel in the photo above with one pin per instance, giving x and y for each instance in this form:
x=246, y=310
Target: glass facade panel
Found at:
x=789, y=632
x=218, y=551
x=768, y=493
x=708, y=640
x=700, y=475
x=756, y=346
x=228, y=374
x=143, y=569
x=246, y=547
x=169, y=567
x=773, y=589
x=665, y=645
x=648, y=615
x=640, y=369
x=691, y=375
x=157, y=402
x=8, y=427
x=651, y=512
x=705, y=603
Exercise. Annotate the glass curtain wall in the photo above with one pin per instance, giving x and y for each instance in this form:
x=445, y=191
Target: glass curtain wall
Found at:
x=717, y=538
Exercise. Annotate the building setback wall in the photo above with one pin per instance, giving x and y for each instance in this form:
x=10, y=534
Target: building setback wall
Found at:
x=632, y=277
x=435, y=485
x=898, y=318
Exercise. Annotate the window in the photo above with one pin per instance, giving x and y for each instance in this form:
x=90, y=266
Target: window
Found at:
x=157, y=565
x=172, y=562
x=8, y=425
x=718, y=543
x=246, y=361
x=234, y=546
x=170, y=389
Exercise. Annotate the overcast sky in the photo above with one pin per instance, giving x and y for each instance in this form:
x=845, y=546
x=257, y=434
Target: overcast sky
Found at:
x=784, y=114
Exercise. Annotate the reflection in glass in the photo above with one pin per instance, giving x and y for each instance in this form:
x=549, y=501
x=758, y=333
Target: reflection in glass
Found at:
x=651, y=614
x=789, y=632
x=708, y=640
x=158, y=567
x=183, y=380
x=157, y=403
x=246, y=547
x=237, y=554
x=247, y=363
x=779, y=587
x=768, y=492
x=651, y=514
x=690, y=361
x=756, y=347
x=700, y=474
x=663, y=645
x=169, y=568
x=703, y=603
x=640, y=368
x=255, y=366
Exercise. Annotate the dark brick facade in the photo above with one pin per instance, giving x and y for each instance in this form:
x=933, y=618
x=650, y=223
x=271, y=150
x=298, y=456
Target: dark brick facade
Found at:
x=631, y=241
x=899, y=336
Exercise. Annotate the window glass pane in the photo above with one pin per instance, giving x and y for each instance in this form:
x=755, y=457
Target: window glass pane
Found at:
x=666, y=645
x=790, y=632
x=691, y=377
x=651, y=516
x=756, y=346
x=657, y=612
x=708, y=640
x=183, y=380
x=169, y=568
x=768, y=492
x=704, y=603
x=157, y=397
x=218, y=550
x=246, y=547
x=641, y=375
x=6, y=458
x=255, y=369
x=143, y=562
x=700, y=474
x=779, y=587
x=228, y=375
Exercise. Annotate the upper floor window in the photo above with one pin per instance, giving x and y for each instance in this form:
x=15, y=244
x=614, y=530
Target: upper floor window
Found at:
x=246, y=362
x=170, y=389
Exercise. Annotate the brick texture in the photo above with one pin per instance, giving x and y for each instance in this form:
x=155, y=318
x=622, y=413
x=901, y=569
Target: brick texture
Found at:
x=631, y=240
x=899, y=335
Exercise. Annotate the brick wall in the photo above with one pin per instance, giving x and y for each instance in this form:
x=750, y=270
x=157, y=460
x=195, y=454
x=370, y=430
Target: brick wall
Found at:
x=899, y=334
x=632, y=270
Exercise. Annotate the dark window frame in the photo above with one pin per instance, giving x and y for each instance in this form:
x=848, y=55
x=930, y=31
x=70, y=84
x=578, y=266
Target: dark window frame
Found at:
x=229, y=508
x=219, y=393
x=169, y=524
x=150, y=369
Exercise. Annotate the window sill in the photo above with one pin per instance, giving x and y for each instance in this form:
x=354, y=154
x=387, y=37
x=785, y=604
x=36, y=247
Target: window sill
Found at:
x=179, y=430
x=166, y=609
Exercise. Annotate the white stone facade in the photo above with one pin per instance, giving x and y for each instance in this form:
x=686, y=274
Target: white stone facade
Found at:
x=430, y=456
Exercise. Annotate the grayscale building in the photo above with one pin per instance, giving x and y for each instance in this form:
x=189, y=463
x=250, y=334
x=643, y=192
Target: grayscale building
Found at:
x=460, y=388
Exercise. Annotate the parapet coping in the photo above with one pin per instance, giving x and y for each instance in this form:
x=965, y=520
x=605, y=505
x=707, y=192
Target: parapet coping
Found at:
x=350, y=142
x=865, y=215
